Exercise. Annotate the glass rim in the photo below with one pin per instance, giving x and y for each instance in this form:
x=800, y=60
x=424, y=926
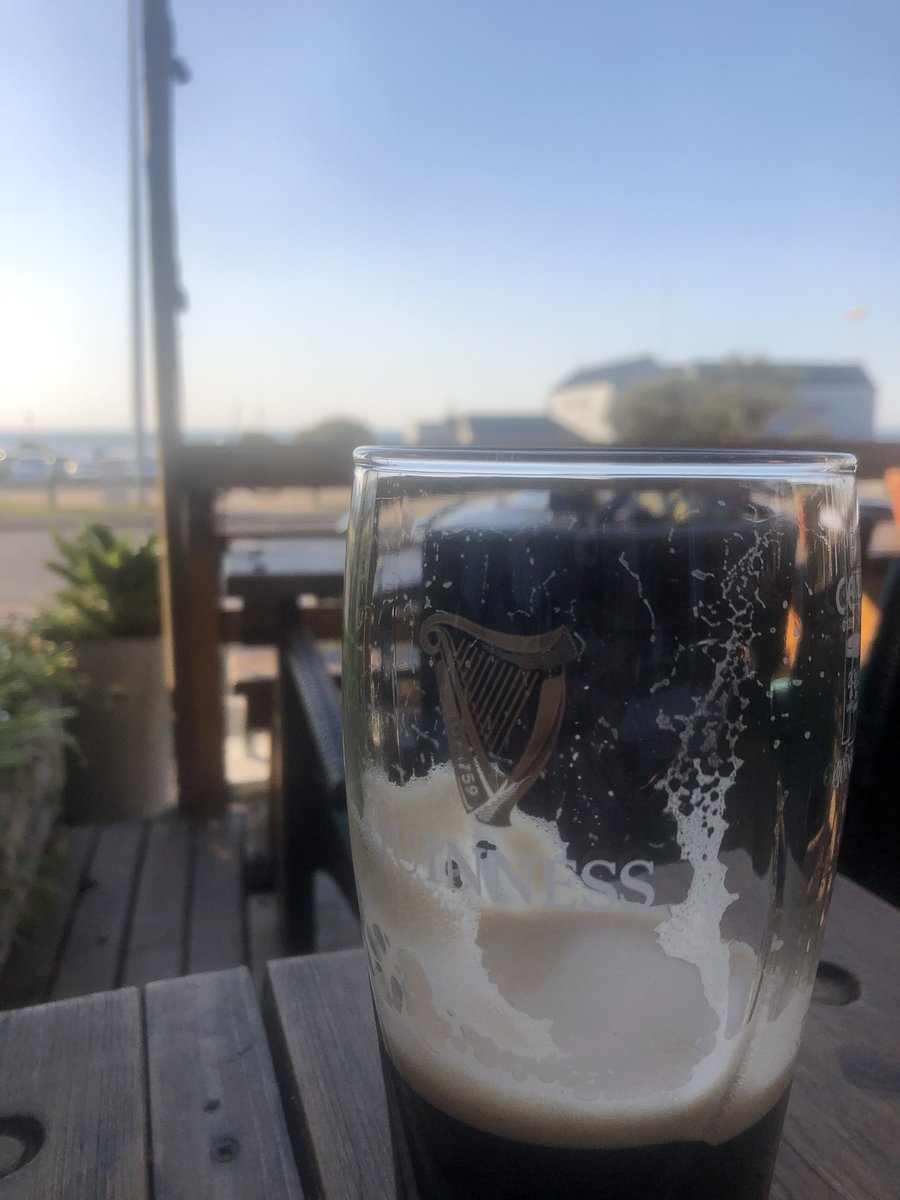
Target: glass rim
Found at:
x=601, y=462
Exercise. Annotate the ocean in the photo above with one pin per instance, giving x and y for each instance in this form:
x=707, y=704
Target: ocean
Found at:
x=88, y=445
x=91, y=445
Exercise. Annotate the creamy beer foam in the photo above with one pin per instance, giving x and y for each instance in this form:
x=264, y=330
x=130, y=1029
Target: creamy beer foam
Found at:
x=519, y=999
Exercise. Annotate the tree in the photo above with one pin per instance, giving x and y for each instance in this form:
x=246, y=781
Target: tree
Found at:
x=337, y=433
x=678, y=410
x=256, y=437
x=334, y=441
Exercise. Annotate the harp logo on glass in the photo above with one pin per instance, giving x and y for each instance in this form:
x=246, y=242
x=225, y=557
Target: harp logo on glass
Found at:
x=502, y=697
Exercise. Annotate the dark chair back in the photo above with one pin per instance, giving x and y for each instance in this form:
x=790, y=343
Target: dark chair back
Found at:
x=870, y=852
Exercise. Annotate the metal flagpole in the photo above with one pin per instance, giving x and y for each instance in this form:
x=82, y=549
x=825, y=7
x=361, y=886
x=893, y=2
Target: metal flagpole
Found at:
x=189, y=575
x=136, y=265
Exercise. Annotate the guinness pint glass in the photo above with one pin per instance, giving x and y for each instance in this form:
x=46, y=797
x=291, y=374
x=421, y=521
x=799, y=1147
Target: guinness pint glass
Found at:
x=599, y=713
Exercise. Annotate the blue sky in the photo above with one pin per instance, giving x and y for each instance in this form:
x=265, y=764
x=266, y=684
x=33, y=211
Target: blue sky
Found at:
x=389, y=208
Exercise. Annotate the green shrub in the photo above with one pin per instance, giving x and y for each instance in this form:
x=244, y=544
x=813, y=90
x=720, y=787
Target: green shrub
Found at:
x=34, y=675
x=112, y=587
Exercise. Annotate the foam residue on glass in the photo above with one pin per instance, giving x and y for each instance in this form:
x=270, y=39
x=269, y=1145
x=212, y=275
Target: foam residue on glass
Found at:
x=548, y=990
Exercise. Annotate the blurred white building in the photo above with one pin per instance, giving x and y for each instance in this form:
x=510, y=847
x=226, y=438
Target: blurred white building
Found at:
x=830, y=399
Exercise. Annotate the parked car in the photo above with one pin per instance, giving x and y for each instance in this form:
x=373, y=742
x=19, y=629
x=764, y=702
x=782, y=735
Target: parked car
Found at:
x=32, y=467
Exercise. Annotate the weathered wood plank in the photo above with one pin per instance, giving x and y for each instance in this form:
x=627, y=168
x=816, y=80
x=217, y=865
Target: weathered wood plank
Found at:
x=199, y=717
x=91, y=954
x=863, y=936
x=795, y=1179
x=844, y=1115
x=216, y=938
x=217, y=1126
x=265, y=941
x=337, y=926
x=28, y=972
x=319, y=1016
x=156, y=940
x=308, y=464
x=75, y=1070
x=274, y=465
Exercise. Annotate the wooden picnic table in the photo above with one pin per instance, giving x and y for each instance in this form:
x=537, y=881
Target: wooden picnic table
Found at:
x=270, y=574
x=270, y=570
x=186, y=1090
x=265, y=567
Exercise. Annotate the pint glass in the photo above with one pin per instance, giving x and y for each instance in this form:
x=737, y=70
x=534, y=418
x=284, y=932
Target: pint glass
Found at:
x=599, y=715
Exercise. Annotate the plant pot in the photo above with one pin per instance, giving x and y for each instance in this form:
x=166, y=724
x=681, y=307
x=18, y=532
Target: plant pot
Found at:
x=29, y=805
x=125, y=769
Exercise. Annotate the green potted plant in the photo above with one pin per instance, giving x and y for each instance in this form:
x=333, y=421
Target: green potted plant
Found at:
x=35, y=677
x=109, y=607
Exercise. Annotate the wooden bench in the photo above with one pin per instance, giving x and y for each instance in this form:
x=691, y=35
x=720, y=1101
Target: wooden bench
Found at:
x=131, y=902
x=309, y=830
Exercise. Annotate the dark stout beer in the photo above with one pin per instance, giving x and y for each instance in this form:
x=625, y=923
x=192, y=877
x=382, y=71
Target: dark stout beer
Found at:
x=440, y=1158
x=566, y=1047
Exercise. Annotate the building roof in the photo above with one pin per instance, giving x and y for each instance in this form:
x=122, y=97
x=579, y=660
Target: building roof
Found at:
x=621, y=373
x=514, y=430
x=836, y=374
x=430, y=433
x=796, y=373
x=507, y=430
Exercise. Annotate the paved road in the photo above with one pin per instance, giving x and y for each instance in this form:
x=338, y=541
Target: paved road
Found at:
x=25, y=544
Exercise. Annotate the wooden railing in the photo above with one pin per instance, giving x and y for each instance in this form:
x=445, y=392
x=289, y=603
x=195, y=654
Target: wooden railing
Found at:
x=194, y=477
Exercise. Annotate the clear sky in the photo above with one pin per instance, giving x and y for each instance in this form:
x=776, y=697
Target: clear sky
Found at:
x=391, y=207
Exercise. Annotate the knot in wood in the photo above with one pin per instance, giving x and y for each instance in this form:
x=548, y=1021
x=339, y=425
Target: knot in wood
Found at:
x=224, y=1149
x=21, y=1137
x=835, y=985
